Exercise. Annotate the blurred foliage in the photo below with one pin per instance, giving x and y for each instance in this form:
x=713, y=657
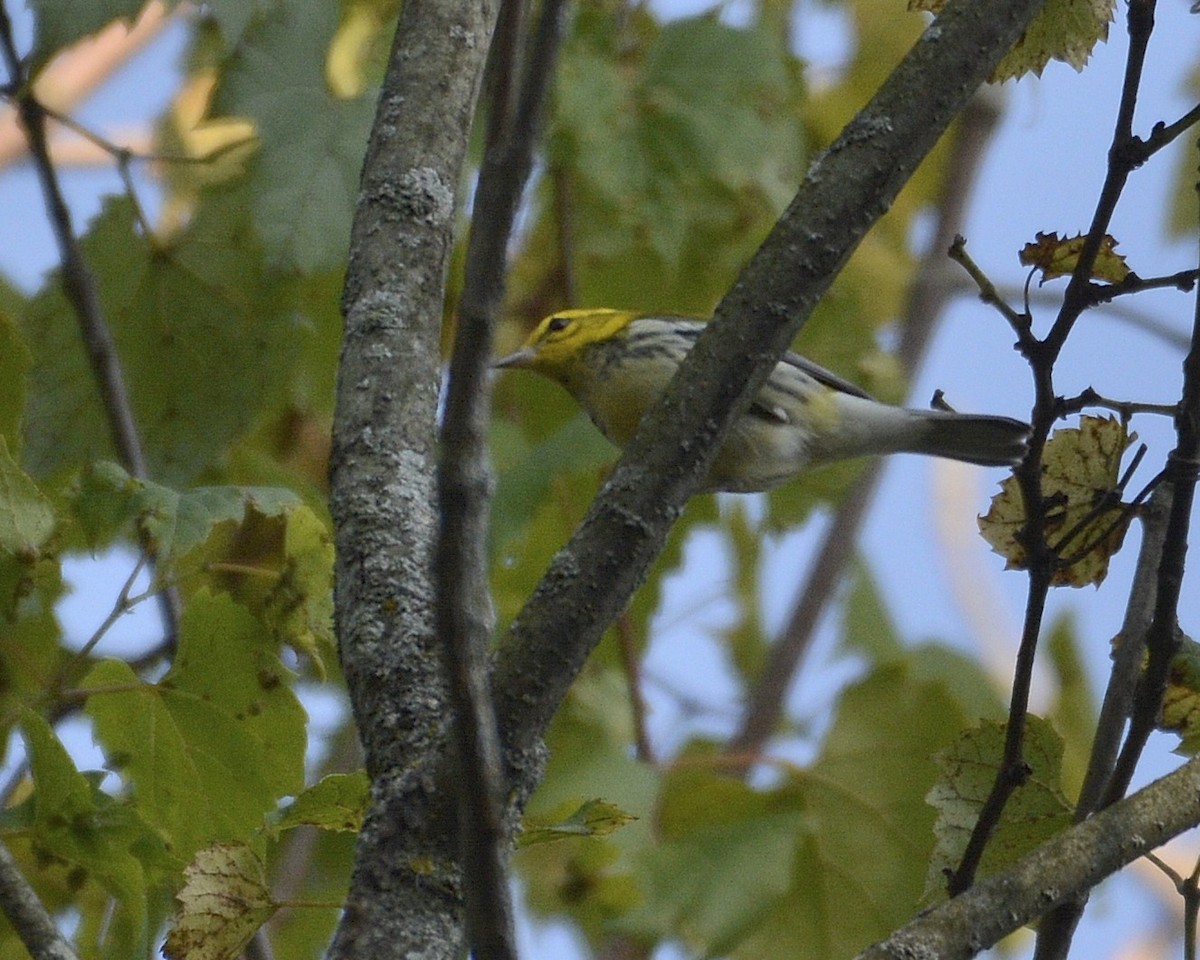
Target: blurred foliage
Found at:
x=672, y=148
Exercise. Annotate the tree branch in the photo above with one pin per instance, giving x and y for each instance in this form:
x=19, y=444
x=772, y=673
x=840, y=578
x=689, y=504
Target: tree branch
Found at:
x=1058, y=871
x=464, y=607
x=927, y=300
x=28, y=916
x=405, y=896
x=1162, y=639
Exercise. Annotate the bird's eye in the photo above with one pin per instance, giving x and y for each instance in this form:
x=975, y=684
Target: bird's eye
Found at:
x=557, y=324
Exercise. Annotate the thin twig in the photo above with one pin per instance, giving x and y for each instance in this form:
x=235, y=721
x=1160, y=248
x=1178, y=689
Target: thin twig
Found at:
x=988, y=293
x=1165, y=133
x=1121, y=162
x=1126, y=408
x=627, y=646
x=79, y=285
x=1042, y=559
x=463, y=606
x=1098, y=293
x=119, y=153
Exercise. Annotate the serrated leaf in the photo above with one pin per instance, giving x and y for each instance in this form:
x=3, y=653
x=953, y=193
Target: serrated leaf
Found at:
x=110, y=502
x=304, y=180
x=1085, y=522
x=223, y=902
x=214, y=745
x=203, y=333
x=594, y=818
x=26, y=517
x=338, y=801
x=1036, y=811
x=679, y=146
x=1065, y=30
x=1058, y=256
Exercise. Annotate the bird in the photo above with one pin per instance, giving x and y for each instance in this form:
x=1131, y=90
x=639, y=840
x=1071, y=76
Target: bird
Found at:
x=616, y=363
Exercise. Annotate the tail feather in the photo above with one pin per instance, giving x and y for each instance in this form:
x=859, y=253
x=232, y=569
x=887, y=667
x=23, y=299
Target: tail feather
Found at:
x=865, y=427
x=973, y=438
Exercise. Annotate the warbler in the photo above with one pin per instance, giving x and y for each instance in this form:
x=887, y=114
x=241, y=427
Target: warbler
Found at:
x=616, y=363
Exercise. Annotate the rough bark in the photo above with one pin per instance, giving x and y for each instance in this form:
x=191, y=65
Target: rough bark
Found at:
x=405, y=899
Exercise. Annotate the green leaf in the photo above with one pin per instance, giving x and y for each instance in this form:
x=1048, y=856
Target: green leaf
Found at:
x=867, y=828
x=867, y=627
x=76, y=823
x=61, y=23
x=1037, y=811
x=339, y=801
x=214, y=745
x=593, y=818
x=15, y=361
x=31, y=648
x=304, y=181
x=678, y=147
x=111, y=502
x=726, y=859
x=26, y=517
x=205, y=338
x=234, y=17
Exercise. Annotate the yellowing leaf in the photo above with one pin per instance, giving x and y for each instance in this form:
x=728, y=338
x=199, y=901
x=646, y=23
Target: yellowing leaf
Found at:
x=1181, y=700
x=594, y=818
x=223, y=902
x=1037, y=811
x=1058, y=257
x=1065, y=30
x=1086, y=521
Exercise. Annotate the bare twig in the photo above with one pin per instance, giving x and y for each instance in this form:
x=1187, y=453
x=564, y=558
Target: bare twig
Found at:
x=1163, y=134
x=78, y=282
x=464, y=608
x=1042, y=559
x=988, y=293
x=627, y=647
x=1126, y=408
x=1162, y=635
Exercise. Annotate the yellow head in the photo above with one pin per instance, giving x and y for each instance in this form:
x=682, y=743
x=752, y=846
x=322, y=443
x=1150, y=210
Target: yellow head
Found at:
x=557, y=346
